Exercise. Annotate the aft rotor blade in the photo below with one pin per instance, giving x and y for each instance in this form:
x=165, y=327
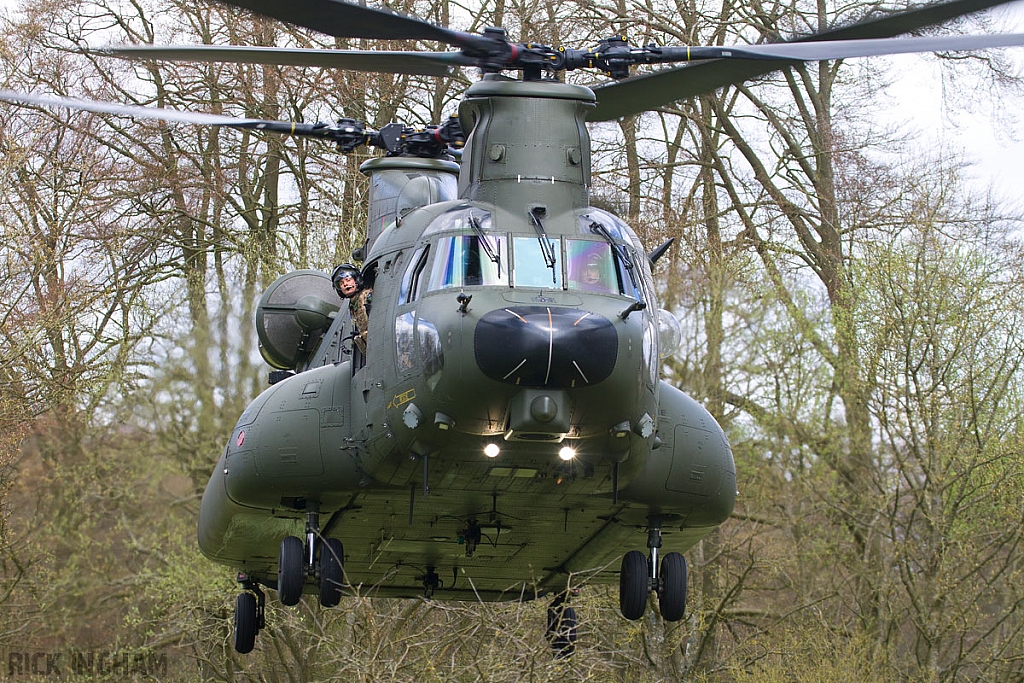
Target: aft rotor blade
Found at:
x=346, y=134
x=173, y=115
x=419, y=63
x=843, y=49
x=347, y=20
x=650, y=91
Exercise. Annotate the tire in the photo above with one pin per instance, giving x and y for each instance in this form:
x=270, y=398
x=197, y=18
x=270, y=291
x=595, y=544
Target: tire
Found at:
x=291, y=571
x=562, y=631
x=245, y=623
x=634, y=585
x=332, y=574
x=672, y=597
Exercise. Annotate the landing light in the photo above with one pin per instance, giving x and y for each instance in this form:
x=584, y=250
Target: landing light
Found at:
x=491, y=450
x=567, y=453
x=670, y=333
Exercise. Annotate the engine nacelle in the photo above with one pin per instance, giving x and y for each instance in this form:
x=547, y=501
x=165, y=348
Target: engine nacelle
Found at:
x=293, y=315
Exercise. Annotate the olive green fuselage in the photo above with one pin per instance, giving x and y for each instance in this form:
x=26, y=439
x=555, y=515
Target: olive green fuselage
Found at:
x=485, y=333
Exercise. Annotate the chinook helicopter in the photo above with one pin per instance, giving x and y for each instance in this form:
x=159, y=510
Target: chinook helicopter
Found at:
x=505, y=435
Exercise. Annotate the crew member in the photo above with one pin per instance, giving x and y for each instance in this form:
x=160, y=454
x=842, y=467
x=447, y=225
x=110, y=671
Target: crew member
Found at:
x=348, y=282
x=590, y=276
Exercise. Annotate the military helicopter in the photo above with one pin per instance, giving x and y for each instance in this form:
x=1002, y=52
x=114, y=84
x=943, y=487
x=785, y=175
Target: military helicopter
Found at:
x=505, y=434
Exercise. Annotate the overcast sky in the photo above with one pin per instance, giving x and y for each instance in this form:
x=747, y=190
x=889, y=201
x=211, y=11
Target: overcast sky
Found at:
x=987, y=129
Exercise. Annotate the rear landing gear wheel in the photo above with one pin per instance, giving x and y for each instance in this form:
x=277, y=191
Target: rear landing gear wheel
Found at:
x=561, y=631
x=672, y=596
x=562, y=622
x=634, y=585
x=291, y=571
x=332, y=574
x=245, y=623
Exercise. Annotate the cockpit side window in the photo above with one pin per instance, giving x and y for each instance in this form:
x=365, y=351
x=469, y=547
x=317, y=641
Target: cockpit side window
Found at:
x=412, y=281
x=612, y=223
x=621, y=240
x=467, y=260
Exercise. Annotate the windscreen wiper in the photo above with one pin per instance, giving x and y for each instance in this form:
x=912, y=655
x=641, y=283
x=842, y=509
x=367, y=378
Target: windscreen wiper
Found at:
x=620, y=251
x=485, y=242
x=546, y=247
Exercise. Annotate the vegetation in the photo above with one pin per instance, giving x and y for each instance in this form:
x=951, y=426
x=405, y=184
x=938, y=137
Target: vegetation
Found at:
x=856, y=324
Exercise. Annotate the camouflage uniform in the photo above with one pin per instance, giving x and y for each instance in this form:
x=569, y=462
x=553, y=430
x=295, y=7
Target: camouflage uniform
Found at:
x=359, y=310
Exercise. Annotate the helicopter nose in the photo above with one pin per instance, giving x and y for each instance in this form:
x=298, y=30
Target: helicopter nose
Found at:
x=543, y=346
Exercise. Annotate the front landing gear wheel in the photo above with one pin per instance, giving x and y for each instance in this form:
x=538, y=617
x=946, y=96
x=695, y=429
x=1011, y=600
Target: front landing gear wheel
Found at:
x=634, y=585
x=332, y=574
x=291, y=571
x=672, y=596
x=245, y=623
x=250, y=614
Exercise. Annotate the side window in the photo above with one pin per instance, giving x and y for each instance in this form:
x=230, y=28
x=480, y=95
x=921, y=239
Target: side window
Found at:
x=418, y=345
x=405, y=341
x=643, y=274
x=413, y=278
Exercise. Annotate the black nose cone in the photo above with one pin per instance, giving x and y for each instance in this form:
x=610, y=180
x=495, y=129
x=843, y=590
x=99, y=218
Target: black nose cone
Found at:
x=541, y=346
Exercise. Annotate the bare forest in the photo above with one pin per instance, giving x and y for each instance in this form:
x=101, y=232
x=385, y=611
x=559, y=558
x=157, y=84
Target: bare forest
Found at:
x=853, y=316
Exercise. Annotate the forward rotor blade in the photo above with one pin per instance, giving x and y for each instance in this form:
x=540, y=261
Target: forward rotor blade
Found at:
x=421, y=63
x=650, y=91
x=346, y=20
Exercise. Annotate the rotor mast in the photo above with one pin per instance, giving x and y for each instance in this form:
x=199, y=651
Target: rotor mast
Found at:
x=527, y=139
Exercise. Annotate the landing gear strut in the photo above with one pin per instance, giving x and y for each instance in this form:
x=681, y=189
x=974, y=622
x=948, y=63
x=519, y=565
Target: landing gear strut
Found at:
x=250, y=614
x=640, y=575
x=323, y=559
